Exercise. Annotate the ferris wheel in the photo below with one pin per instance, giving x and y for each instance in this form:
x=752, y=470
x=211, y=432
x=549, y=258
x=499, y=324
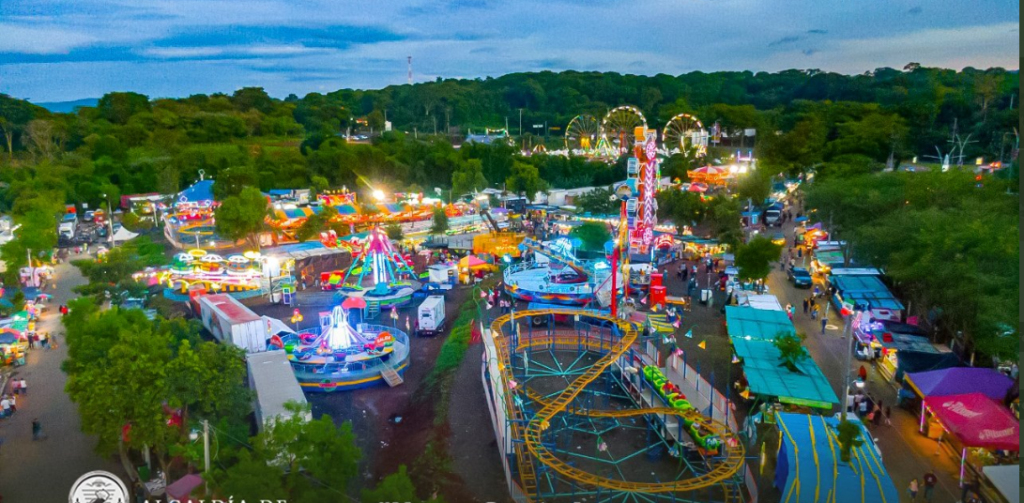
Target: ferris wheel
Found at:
x=582, y=133
x=618, y=126
x=683, y=133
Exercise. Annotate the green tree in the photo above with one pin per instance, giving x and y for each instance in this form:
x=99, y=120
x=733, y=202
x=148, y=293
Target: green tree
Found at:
x=791, y=349
x=395, y=487
x=243, y=216
x=119, y=107
x=754, y=258
x=394, y=232
x=723, y=215
x=525, y=179
x=469, y=177
x=440, y=221
x=600, y=201
x=755, y=186
x=593, y=235
x=316, y=224
x=849, y=438
x=306, y=460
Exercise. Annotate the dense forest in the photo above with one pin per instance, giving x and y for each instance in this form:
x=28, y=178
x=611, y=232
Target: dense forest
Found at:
x=846, y=129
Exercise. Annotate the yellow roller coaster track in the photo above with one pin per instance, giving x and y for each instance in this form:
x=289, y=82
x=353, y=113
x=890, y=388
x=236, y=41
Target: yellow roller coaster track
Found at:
x=531, y=434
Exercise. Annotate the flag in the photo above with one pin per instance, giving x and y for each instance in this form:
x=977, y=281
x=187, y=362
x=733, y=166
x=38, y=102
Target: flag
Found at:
x=601, y=445
x=703, y=344
x=745, y=394
x=735, y=359
x=689, y=334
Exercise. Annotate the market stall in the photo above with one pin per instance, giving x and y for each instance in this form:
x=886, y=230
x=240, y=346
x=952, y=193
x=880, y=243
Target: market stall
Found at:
x=768, y=380
x=975, y=427
x=750, y=323
x=471, y=267
x=959, y=380
x=867, y=291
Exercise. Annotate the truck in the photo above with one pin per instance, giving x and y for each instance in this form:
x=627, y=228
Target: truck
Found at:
x=67, y=225
x=274, y=385
x=430, y=316
x=232, y=323
x=773, y=215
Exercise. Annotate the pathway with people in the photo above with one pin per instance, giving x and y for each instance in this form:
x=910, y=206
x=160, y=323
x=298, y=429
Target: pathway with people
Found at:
x=44, y=470
x=906, y=453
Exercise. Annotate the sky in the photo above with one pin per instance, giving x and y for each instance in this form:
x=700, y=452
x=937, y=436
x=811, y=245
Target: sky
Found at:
x=57, y=50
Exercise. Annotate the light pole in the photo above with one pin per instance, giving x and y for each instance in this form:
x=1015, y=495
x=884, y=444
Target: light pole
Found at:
x=847, y=362
x=110, y=220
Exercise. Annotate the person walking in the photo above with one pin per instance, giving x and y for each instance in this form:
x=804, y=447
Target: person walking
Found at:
x=912, y=489
x=862, y=373
x=37, y=429
x=814, y=312
x=888, y=415
x=862, y=407
x=23, y=386
x=824, y=323
x=807, y=306
x=929, y=485
x=876, y=417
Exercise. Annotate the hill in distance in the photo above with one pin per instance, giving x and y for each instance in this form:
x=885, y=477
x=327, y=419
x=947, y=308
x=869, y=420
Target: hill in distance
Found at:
x=63, y=107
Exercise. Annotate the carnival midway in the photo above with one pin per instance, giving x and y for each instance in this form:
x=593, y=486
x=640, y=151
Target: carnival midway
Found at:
x=644, y=369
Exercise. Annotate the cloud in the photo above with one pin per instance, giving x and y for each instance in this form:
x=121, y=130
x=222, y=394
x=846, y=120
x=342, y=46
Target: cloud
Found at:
x=785, y=40
x=40, y=39
x=915, y=10
x=180, y=47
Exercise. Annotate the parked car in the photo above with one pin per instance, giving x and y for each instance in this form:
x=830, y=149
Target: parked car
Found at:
x=800, y=277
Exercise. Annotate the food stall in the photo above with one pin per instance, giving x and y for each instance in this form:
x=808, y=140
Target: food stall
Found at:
x=977, y=429
x=868, y=291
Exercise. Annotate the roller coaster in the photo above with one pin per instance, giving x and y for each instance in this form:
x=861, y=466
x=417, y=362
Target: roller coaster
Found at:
x=541, y=428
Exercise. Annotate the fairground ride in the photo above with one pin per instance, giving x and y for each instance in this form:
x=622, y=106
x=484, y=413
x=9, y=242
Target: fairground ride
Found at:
x=576, y=418
x=685, y=133
x=617, y=128
x=554, y=275
x=378, y=275
x=341, y=355
x=582, y=135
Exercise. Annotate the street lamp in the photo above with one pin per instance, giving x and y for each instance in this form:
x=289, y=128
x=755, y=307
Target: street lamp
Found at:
x=848, y=333
x=378, y=194
x=110, y=220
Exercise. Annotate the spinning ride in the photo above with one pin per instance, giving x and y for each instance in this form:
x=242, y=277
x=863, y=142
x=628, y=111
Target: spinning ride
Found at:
x=387, y=274
x=618, y=126
x=582, y=135
x=556, y=392
x=554, y=275
x=685, y=133
x=341, y=356
x=234, y=273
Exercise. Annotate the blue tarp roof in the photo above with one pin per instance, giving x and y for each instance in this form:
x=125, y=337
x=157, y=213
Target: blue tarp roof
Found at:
x=758, y=324
x=199, y=191
x=813, y=471
x=766, y=376
x=847, y=284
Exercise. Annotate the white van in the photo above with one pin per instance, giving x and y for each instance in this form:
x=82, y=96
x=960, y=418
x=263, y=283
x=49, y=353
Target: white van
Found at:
x=430, y=316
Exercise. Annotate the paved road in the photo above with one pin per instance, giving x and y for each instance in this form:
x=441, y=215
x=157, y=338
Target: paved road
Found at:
x=905, y=452
x=44, y=471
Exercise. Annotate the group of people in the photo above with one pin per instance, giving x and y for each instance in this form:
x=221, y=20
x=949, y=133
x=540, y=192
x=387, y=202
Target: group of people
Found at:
x=9, y=403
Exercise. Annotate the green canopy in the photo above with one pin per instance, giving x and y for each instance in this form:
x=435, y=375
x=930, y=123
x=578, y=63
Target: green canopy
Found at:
x=748, y=323
x=767, y=377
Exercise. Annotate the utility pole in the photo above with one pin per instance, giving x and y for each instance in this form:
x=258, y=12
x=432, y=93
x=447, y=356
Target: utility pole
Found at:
x=521, y=122
x=848, y=333
x=206, y=454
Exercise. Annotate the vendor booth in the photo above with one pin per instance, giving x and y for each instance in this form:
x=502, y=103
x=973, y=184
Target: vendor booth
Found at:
x=768, y=380
x=750, y=323
x=959, y=380
x=975, y=427
x=1001, y=484
x=882, y=341
x=473, y=268
x=908, y=362
x=866, y=291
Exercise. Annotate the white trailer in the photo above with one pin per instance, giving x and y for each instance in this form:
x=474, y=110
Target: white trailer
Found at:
x=230, y=322
x=272, y=380
x=430, y=316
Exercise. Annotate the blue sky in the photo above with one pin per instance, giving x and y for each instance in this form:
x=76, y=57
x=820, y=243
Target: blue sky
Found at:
x=52, y=50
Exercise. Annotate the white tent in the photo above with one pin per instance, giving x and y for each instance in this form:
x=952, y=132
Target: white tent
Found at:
x=1006, y=479
x=122, y=234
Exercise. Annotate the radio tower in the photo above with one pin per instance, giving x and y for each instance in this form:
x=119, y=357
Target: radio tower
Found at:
x=410, y=70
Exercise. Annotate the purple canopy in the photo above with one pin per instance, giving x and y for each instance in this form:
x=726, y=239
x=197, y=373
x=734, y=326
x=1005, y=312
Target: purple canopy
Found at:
x=961, y=380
